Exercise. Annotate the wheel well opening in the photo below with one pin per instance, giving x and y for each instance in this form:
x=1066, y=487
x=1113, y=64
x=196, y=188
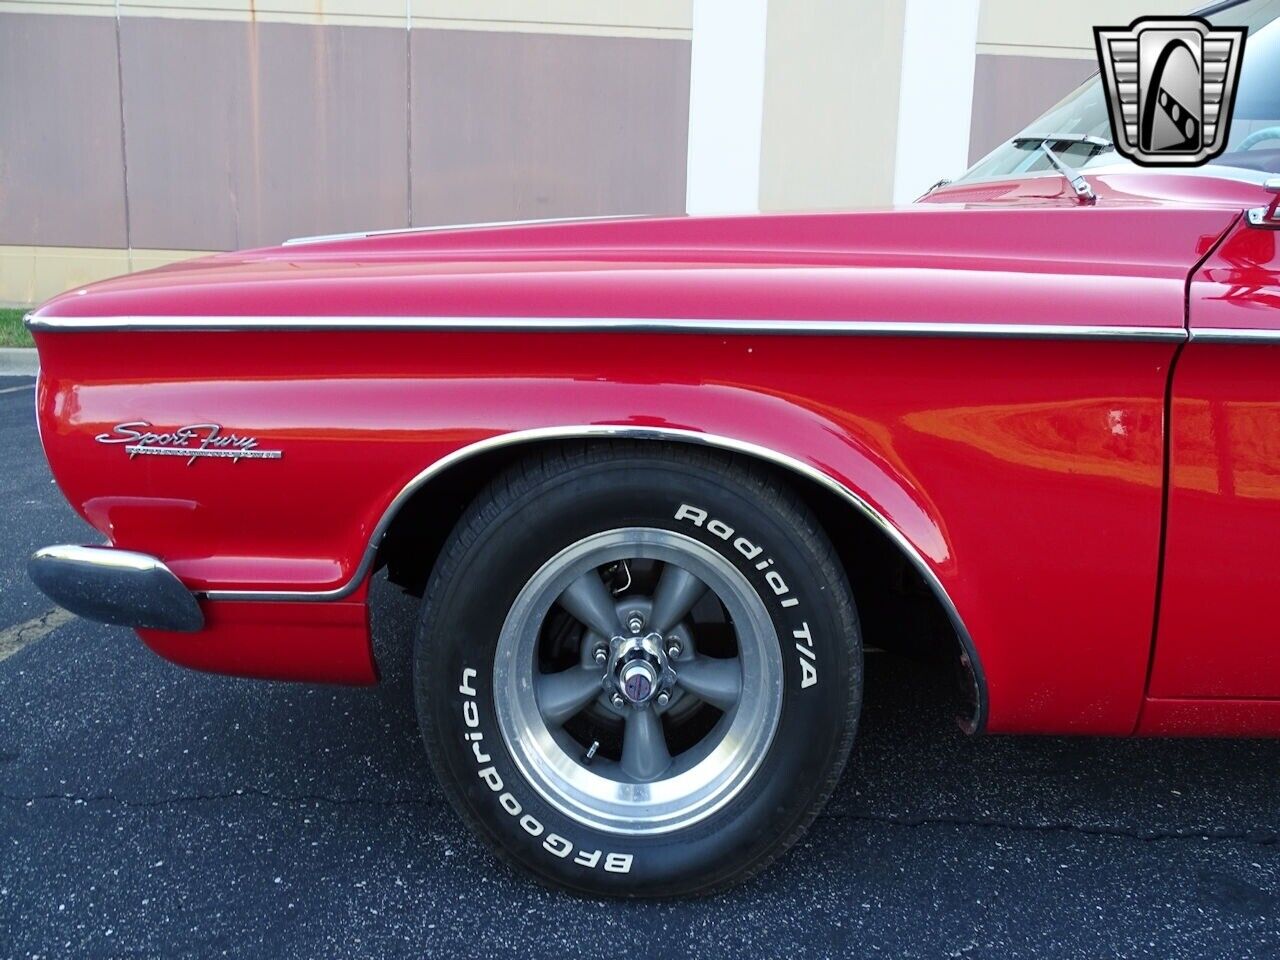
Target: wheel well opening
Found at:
x=419, y=529
x=897, y=609
x=899, y=612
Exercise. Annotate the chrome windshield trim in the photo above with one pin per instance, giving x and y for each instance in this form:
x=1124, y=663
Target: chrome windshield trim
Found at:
x=831, y=328
x=439, y=228
x=1234, y=335
x=1218, y=7
x=587, y=431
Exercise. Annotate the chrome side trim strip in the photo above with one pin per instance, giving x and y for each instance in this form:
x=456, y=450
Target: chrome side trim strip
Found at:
x=642, y=433
x=883, y=328
x=1233, y=335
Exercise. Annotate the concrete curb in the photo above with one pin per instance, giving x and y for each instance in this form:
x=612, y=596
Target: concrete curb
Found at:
x=18, y=362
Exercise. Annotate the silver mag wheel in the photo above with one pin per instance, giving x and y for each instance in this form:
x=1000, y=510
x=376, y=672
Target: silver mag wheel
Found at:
x=638, y=681
x=638, y=668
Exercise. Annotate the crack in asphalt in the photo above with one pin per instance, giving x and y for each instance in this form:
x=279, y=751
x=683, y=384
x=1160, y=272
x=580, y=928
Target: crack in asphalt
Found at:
x=1258, y=837
x=13, y=639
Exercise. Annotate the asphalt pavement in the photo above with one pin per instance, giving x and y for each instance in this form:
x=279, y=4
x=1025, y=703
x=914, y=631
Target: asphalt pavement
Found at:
x=149, y=811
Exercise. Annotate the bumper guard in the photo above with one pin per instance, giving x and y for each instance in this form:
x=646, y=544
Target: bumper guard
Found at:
x=115, y=586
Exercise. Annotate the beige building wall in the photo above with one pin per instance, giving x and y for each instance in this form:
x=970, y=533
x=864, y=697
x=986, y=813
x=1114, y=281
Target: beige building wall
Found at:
x=30, y=274
x=832, y=70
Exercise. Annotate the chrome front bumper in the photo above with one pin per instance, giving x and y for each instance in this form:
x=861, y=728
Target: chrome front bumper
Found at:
x=115, y=586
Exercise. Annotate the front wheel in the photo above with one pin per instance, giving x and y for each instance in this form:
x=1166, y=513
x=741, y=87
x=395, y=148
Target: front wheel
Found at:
x=638, y=668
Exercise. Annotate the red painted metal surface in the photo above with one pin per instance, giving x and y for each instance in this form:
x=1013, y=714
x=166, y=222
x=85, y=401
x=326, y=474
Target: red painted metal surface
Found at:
x=1028, y=474
x=934, y=262
x=316, y=642
x=977, y=456
x=1219, y=631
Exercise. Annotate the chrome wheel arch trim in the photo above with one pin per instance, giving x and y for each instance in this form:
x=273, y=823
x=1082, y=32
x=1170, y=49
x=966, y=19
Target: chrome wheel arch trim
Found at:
x=799, y=327
x=500, y=441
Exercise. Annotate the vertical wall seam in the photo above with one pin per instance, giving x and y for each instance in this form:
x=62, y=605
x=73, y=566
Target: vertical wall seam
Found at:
x=764, y=86
x=408, y=110
x=124, y=146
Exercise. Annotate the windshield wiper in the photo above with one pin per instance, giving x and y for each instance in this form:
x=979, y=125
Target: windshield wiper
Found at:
x=1100, y=144
x=1084, y=193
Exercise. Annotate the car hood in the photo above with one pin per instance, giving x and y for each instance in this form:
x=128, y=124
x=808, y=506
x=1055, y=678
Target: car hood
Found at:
x=740, y=266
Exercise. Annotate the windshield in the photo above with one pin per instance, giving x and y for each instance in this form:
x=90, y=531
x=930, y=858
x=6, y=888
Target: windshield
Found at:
x=1253, y=149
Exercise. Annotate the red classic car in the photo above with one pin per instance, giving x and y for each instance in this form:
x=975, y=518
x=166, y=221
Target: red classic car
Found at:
x=645, y=472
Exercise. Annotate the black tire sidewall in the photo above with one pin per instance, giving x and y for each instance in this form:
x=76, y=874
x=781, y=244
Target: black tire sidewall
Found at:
x=802, y=588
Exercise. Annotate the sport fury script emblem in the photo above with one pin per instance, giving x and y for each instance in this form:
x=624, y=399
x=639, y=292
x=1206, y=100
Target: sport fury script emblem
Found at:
x=191, y=442
x=1170, y=85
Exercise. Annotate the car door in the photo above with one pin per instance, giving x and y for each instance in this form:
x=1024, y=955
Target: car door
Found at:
x=1219, y=612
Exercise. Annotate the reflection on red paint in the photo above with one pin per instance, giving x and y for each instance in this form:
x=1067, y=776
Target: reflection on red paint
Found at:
x=1219, y=628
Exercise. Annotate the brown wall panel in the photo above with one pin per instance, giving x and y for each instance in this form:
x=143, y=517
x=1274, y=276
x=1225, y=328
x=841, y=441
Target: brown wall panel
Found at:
x=512, y=126
x=61, y=179
x=1011, y=91
x=241, y=134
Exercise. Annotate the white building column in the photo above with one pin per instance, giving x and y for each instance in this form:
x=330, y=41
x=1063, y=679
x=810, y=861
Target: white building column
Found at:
x=726, y=104
x=935, y=99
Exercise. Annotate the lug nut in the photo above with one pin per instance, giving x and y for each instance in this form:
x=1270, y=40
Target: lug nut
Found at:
x=674, y=649
x=636, y=623
x=664, y=698
x=601, y=654
x=617, y=701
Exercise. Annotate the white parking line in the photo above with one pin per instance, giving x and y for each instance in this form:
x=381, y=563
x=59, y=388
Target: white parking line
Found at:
x=25, y=386
x=13, y=639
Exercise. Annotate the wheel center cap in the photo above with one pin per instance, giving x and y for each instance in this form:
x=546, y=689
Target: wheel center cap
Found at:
x=638, y=680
